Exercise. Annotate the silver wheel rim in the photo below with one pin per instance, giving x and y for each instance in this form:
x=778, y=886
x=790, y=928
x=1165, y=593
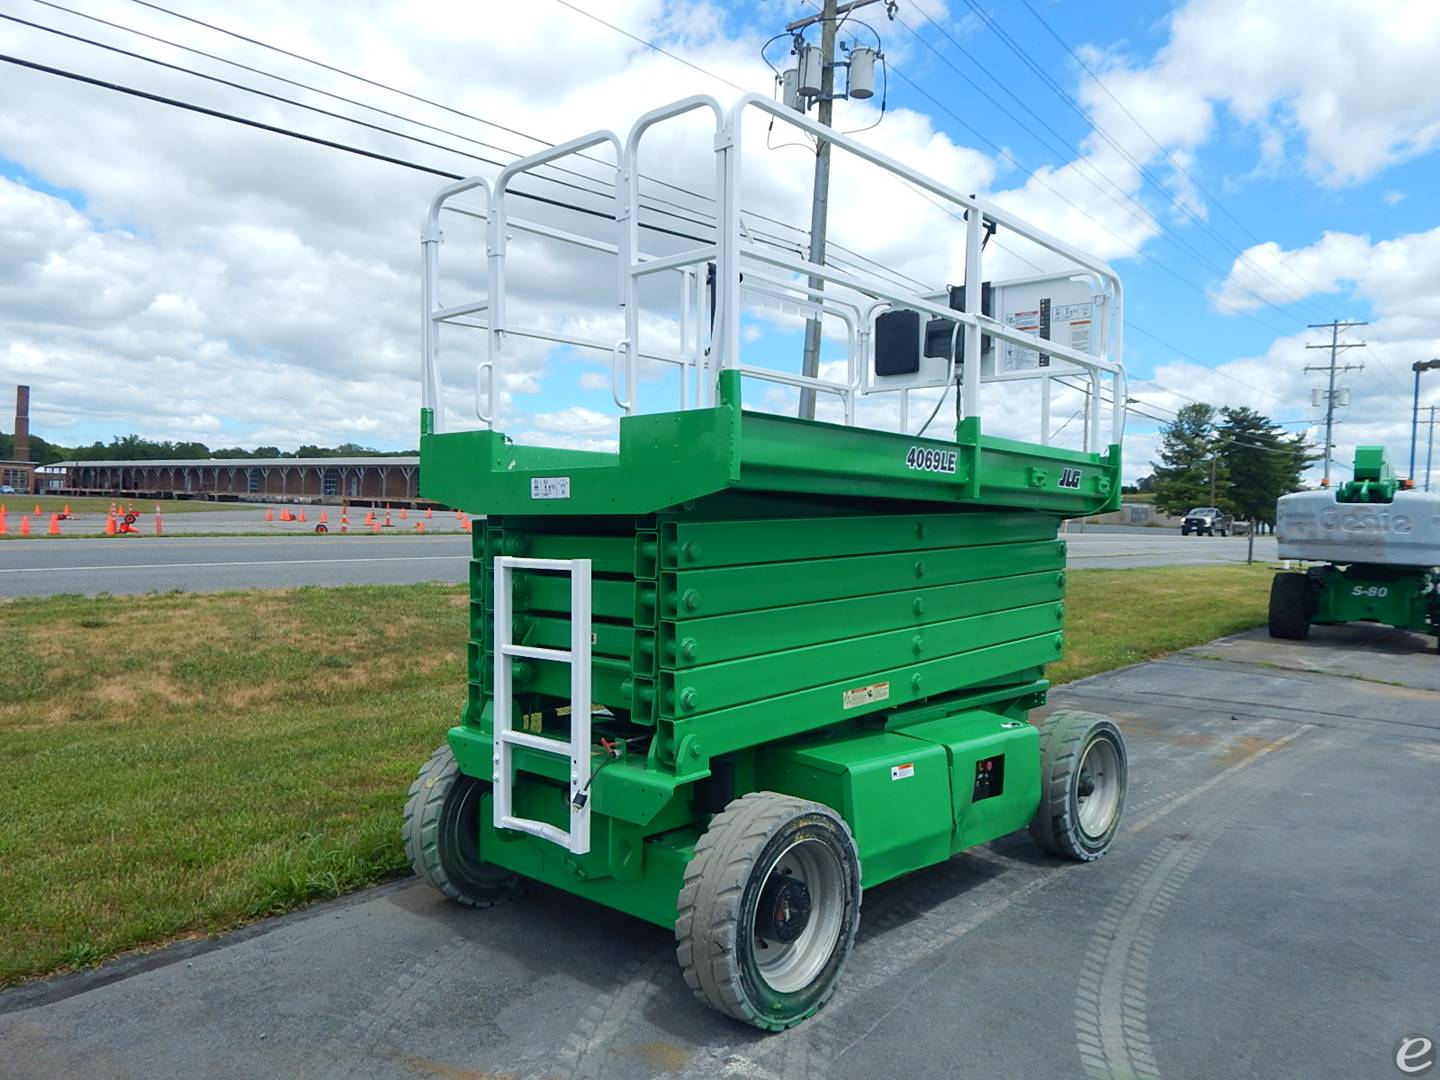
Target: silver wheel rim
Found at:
x=789, y=967
x=1099, y=777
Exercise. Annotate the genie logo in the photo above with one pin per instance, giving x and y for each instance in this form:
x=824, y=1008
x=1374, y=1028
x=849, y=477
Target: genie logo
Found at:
x=1368, y=519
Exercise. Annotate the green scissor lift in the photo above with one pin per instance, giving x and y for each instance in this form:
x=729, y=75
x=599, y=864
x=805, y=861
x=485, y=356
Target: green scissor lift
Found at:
x=744, y=666
x=1374, y=546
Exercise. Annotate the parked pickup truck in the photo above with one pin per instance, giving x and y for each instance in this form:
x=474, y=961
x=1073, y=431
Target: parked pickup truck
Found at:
x=1206, y=521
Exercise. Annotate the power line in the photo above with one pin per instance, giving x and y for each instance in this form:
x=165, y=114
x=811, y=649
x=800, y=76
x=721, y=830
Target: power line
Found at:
x=651, y=45
x=1136, y=209
x=1081, y=210
x=304, y=137
x=1179, y=165
x=169, y=43
x=1100, y=130
x=458, y=112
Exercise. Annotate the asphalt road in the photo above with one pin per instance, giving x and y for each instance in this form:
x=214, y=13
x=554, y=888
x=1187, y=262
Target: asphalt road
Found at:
x=125, y=564
x=1268, y=911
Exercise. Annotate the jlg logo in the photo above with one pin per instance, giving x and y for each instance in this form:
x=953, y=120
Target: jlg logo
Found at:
x=1070, y=478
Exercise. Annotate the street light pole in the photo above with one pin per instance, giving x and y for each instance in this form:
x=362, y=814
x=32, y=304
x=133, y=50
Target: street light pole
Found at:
x=1429, y=447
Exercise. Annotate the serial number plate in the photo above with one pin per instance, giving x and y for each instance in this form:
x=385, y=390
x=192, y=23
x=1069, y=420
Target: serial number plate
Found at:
x=927, y=460
x=550, y=487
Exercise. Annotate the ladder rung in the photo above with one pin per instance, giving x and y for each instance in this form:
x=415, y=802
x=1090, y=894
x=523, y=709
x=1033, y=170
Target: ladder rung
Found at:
x=536, y=828
x=536, y=742
x=534, y=652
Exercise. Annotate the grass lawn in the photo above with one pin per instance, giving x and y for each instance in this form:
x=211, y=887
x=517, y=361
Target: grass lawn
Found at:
x=15, y=505
x=179, y=764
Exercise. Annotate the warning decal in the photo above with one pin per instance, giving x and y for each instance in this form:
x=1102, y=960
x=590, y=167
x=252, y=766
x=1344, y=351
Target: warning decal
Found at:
x=902, y=772
x=866, y=695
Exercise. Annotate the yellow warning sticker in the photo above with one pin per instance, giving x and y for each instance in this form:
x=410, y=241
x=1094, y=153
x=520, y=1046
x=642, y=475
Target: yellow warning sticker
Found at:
x=902, y=772
x=866, y=695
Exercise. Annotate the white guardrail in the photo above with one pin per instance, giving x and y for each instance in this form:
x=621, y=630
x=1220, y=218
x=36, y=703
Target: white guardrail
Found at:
x=714, y=277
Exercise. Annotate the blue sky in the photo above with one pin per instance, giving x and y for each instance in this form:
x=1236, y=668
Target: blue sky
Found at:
x=179, y=277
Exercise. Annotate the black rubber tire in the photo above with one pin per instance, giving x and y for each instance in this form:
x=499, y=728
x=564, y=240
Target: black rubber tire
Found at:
x=1290, y=606
x=1065, y=739
x=715, y=939
x=441, y=833
x=1184, y=532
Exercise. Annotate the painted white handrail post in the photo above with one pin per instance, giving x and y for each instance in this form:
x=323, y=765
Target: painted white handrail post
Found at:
x=725, y=343
x=974, y=290
x=495, y=238
x=431, y=387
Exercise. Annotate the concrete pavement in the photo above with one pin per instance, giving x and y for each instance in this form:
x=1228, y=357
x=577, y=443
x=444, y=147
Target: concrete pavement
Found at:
x=1268, y=911
x=135, y=564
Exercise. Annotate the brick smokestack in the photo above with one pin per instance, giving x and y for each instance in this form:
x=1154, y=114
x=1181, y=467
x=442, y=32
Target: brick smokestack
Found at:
x=22, y=423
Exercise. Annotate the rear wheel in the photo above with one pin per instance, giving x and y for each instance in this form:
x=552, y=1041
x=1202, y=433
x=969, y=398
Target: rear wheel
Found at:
x=1290, y=607
x=769, y=909
x=1084, y=775
x=441, y=833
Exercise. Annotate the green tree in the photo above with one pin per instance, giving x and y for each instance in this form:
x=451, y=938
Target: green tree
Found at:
x=1261, y=461
x=1189, y=468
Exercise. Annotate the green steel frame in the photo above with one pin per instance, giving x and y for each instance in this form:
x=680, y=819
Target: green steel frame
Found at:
x=777, y=605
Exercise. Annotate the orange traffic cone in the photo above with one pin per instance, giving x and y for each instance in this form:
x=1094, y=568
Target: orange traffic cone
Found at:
x=284, y=513
x=110, y=525
x=269, y=513
x=159, y=529
x=157, y=509
x=370, y=517
x=419, y=526
x=465, y=524
x=37, y=511
x=324, y=517
x=429, y=513
x=375, y=526
x=24, y=525
x=54, y=524
x=344, y=523
x=301, y=516
x=387, y=517
x=3, y=528
x=402, y=513
x=67, y=510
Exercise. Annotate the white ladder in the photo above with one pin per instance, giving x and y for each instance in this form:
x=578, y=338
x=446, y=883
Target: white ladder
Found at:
x=577, y=839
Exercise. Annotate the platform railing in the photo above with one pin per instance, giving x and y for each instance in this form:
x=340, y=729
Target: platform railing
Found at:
x=743, y=261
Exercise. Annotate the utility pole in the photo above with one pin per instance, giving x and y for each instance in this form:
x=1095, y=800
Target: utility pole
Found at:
x=819, y=207
x=1417, y=367
x=1335, y=346
x=1214, y=458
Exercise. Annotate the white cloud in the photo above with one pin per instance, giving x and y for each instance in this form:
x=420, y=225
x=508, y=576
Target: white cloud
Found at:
x=1354, y=81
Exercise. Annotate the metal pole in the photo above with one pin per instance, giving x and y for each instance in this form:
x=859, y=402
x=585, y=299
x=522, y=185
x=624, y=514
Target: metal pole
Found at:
x=1335, y=326
x=1330, y=401
x=1429, y=447
x=1250, y=547
x=820, y=204
x=1214, y=457
x=1414, y=420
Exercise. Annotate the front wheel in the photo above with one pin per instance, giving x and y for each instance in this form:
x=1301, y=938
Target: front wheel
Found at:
x=769, y=909
x=1084, y=775
x=441, y=833
x=1290, y=606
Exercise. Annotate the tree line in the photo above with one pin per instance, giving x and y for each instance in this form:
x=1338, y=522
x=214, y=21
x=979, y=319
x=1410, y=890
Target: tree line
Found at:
x=1234, y=458
x=136, y=448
